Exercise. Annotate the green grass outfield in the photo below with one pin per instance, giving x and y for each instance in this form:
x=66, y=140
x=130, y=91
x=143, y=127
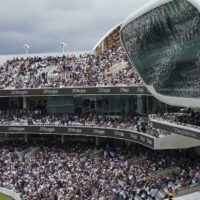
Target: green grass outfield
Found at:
x=4, y=197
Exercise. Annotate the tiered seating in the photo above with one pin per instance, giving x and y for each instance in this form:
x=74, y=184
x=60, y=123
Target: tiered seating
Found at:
x=69, y=172
x=68, y=71
x=188, y=118
x=135, y=122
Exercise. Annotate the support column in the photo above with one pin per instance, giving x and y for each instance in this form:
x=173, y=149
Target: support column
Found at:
x=197, y=149
x=139, y=104
x=128, y=143
x=147, y=101
x=62, y=139
x=97, y=141
x=6, y=136
x=166, y=108
x=154, y=105
x=25, y=138
x=24, y=102
x=102, y=47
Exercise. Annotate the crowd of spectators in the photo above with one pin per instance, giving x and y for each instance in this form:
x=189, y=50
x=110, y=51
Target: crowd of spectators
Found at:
x=187, y=117
x=82, y=171
x=68, y=71
x=135, y=122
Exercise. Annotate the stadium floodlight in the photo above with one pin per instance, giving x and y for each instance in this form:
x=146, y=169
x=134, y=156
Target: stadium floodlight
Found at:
x=26, y=47
x=62, y=45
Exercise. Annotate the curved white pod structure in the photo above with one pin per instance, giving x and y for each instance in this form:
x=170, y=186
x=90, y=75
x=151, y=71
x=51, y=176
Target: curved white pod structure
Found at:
x=162, y=41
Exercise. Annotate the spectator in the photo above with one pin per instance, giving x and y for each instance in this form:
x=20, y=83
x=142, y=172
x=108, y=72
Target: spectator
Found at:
x=136, y=122
x=68, y=71
x=170, y=193
x=83, y=171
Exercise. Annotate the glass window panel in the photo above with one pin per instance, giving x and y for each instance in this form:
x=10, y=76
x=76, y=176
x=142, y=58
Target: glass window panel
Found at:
x=164, y=46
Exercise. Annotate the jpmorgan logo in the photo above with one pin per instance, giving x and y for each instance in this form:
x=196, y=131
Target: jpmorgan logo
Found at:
x=17, y=129
x=143, y=139
x=119, y=133
x=104, y=90
x=46, y=129
x=140, y=90
x=133, y=136
x=52, y=92
x=19, y=92
x=78, y=91
x=124, y=90
x=74, y=130
x=149, y=141
x=99, y=132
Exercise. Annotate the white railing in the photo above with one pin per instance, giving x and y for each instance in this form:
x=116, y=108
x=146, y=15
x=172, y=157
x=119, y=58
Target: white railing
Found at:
x=10, y=193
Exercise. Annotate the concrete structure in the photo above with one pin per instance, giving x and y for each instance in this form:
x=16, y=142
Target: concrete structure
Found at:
x=111, y=37
x=193, y=196
x=162, y=41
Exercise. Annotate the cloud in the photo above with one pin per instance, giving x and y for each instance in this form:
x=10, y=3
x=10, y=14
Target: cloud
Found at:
x=44, y=23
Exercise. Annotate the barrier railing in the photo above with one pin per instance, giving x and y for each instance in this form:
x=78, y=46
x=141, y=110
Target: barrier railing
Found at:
x=99, y=90
x=175, y=128
x=130, y=135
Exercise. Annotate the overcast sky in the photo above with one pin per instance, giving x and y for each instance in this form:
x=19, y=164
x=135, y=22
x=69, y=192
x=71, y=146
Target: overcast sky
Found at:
x=45, y=23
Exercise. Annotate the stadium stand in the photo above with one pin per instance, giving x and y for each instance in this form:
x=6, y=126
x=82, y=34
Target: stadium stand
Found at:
x=189, y=118
x=68, y=71
x=68, y=172
x=102, y=145
x=135, y=122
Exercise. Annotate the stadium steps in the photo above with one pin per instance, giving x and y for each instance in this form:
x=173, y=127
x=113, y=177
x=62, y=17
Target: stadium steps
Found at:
x=136, y=160
x=86, y=154
x=49, y=69
x=161, y=195
x=149, y=198
x=137, y=197
x=33, y=150
x=96, y=152
x=22, y=153
x=114, y=69
x=164, y=172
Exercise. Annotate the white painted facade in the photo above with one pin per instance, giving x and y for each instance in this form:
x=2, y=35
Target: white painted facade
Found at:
x=175, y=141
x=175, y=101
x=101, y=41
x=193, y=196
